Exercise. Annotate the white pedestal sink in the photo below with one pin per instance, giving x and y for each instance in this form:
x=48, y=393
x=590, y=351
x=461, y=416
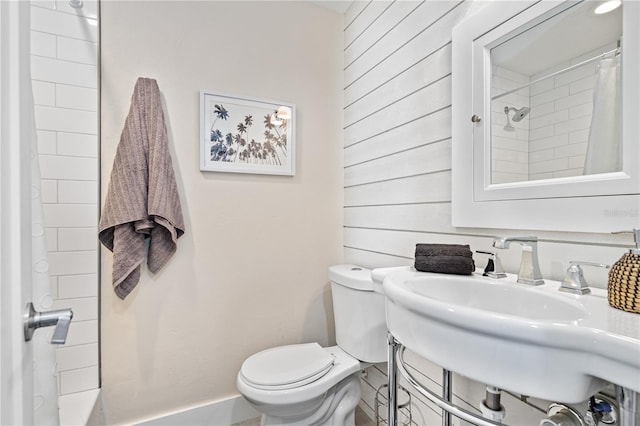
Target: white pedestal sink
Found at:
x=536, y=341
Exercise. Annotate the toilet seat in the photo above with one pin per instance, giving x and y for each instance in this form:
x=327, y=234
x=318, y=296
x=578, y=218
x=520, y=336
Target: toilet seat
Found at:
x=287, y=367
x=343, y=367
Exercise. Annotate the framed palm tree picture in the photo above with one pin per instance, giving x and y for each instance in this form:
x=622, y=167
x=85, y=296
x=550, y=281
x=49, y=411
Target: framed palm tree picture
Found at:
x=246, y=135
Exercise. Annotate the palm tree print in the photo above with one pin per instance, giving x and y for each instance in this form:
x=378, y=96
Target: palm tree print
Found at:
x=220, y=113
x=240, y=147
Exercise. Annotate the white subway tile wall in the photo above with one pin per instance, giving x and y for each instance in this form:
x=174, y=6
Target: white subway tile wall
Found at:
x=557, y=128
x=510, y=152
x=47, y=142
x=64, y=57
x=78, y=380
x=560, y=119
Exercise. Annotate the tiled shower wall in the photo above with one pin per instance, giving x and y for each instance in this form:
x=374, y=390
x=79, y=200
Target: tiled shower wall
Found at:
x=509, y=149
x=64, y=68
x=561, y=109
x=397, y=155
x=552, y=141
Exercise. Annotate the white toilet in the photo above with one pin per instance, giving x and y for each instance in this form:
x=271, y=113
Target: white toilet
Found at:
x=307, y=384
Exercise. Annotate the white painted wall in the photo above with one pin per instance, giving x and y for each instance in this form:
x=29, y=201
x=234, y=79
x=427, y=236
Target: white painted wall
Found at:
x=397, y=151
x=64, y=58
x=251, y=270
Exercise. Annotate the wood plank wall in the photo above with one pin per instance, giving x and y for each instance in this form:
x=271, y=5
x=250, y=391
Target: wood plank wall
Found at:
x=397, y=175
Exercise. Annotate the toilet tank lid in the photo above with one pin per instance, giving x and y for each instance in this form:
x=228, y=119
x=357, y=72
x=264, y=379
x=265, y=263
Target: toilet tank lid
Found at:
x=351, y=276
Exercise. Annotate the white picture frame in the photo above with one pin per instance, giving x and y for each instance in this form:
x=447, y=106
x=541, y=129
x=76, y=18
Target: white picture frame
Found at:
x=246, y=135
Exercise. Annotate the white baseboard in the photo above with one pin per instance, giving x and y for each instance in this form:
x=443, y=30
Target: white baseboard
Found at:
x=224, y=412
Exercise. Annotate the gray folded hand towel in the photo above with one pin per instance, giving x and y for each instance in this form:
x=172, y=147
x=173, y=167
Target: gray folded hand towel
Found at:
x=443, y=250
x=458, y=265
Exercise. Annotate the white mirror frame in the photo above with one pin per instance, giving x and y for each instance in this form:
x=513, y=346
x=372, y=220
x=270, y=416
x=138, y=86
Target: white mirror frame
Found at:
x=592, y=203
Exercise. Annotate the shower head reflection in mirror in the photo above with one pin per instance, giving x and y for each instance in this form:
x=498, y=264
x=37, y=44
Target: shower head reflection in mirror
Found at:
x=508, y=127
x=518, y=116
x=520, y=113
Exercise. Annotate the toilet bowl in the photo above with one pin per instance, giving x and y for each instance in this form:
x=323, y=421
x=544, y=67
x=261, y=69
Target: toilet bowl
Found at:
x=307, y=384
x=311, y=394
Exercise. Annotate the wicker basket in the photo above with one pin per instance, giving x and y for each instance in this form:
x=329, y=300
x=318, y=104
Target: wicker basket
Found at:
x=624, y=283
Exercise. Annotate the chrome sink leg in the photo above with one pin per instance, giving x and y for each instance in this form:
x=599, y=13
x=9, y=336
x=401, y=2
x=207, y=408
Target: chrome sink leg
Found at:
x=392, y=375
x=629, y=406
x=446, y=395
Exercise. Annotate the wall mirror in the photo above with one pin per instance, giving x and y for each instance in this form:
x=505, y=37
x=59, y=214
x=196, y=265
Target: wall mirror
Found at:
x=545, y=117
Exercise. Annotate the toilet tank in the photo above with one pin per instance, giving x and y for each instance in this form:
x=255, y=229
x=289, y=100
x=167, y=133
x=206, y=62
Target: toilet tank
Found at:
x=359, y=315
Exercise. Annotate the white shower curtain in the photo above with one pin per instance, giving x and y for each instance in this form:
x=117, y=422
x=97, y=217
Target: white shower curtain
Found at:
x=26, y=366
x=45, y=381
x=45, y=384
x=604, y=153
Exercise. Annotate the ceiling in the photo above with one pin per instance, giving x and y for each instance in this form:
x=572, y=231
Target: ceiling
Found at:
x=561, y=38
x=339, y=6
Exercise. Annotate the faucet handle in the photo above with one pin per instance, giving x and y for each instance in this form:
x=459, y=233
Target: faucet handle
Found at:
x=494, y=267
x=582, y=263
x=574, y=281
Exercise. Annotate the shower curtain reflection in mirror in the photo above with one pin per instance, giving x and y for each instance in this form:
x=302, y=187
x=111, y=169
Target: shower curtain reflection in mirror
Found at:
x=604, y=152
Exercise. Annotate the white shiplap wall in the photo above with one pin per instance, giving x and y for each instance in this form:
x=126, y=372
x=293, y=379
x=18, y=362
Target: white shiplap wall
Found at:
x=397, y=151
x=64, y=67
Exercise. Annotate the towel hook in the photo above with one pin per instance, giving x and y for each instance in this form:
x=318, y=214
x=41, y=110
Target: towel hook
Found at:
x=77, y=4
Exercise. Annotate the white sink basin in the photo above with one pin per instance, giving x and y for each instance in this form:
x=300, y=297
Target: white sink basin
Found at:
x=491, y=296
x=536, y=341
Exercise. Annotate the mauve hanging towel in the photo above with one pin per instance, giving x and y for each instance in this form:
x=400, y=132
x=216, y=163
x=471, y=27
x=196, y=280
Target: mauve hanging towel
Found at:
x=142, y=199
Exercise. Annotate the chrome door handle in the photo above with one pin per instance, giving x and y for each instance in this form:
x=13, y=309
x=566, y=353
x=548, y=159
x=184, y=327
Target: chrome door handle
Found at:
x=61, y=318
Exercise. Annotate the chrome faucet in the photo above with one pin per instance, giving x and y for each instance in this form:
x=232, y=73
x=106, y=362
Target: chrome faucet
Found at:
x=529, y=268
